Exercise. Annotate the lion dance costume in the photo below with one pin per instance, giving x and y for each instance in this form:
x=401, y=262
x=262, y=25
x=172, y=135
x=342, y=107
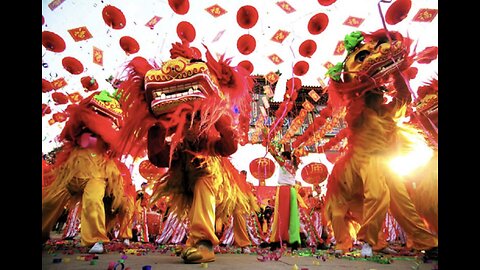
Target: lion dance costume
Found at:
x=86, y=169
x=189, y=115
x=362, y=187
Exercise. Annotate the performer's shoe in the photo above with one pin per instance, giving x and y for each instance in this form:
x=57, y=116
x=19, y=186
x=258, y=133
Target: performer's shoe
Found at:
x=431, y=254
x=274, y=246
x=388, y=250
x=366, y=250
x=178, y=250
x=97, y=248
x=201, y=253
x=246, y=250
x=338, y=252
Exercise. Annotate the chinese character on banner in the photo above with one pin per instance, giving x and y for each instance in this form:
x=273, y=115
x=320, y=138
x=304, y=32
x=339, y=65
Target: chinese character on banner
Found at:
x=280, y=36
x=328, y=65
x=307, y=106
x=59, y=117
x=59, y=83
x=303, y=114
x=75, y=97
x=286, y=7
x=55, y=3
x=51, y=121
x=425, y=15
x=216, y=10
x=313, y=94
x=80, y=33
x=97, y=56
x=151, y=24
x=275, y=59
x=272, y=77
x=340, y=48
x=353, y=21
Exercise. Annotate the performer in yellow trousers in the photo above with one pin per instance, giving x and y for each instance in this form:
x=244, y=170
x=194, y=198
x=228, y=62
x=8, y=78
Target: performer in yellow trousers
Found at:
x=85, y=169
x=190, y=115
x=425, y=192
x=124, y=215
x=241, y=237
x=376, y=135
x=238, y=227
x=344, y=210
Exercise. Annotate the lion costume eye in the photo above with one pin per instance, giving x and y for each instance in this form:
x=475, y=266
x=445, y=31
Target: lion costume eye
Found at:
x=381, y=41
x=361, y=55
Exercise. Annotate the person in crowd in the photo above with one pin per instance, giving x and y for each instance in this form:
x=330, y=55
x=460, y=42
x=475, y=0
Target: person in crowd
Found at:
x=286, y=218
x=142, y=207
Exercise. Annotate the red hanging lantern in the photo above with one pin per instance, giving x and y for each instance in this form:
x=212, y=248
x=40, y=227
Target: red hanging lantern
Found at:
x=53, y=42
x=318, y=23
x=247, y=65
x=179, y=6
x=46, y=86
x=247, y=17
x=332, y=156
x=314, y=173
x=300, y=68
x=307, y=48
x=293, y=84
x=246, y=44
x=46, y=109
x=262, y=168
x=398, y=11
x=427, y=55
x=149, y=171
x=186, y=31
x=129, y=45
x=89, y=83
x=59, y=117
x=60, y=98
x=72, y=65
x=326, y=2
x=113, y=17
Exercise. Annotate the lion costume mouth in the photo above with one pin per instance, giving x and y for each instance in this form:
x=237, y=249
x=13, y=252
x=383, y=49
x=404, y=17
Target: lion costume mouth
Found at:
x=374, y=60
x=178, y=81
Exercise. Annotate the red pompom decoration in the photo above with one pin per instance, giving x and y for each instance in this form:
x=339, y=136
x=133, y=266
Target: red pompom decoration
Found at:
x=72, y=65
x=247, y=17
x=307, y=48
x=318, y=23
x=53, y=42
x=180, y=7
x=113, y=17
x=129, y=45
x=246, y=44
x=398, y=11
x=186, y=31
